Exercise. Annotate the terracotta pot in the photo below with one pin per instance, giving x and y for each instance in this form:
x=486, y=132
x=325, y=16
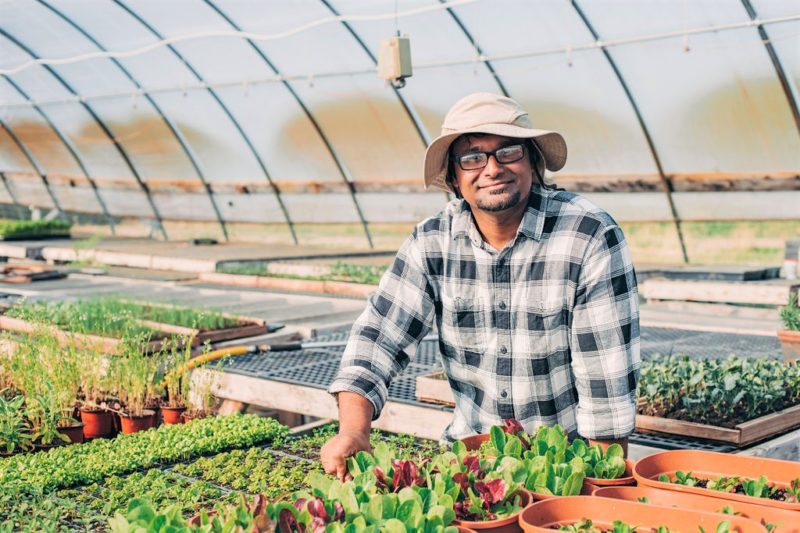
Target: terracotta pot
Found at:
x=509, y=524
x=96, y=424
x=712, y=465
x=74, y=432
x=626, y=479
x=462, y=529
x=187, y=416
x=172, y=415
x=473, y=442
x=544, y=516
x=785, y=521
x=134, y=424
x=156, y=418
x=790, y=344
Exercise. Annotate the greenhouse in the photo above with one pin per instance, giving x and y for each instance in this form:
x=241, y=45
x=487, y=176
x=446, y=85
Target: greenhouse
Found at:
x=424, y=266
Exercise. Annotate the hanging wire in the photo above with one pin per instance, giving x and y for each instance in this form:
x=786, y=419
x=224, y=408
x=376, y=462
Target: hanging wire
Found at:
x=233, y=33
x=560, y=51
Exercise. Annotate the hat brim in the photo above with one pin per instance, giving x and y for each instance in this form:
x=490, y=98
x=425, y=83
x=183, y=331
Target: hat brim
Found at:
x=550, y=143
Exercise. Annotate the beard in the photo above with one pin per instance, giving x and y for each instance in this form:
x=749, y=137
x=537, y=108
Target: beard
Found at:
x=505, y=201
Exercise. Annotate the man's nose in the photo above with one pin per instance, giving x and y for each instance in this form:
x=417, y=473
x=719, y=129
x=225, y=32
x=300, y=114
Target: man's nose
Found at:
x=493, y=167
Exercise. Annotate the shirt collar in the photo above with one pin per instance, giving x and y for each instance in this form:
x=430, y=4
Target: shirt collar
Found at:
x=532, y=224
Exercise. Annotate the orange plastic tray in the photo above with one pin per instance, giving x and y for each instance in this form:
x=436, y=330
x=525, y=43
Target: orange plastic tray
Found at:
x=543, y=516
x=785, y=521
x=714, y=464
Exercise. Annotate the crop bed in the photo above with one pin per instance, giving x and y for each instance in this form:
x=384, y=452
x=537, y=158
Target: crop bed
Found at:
x=38, y=496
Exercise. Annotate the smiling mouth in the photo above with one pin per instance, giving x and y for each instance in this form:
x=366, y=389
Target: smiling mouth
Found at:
x=496, y=186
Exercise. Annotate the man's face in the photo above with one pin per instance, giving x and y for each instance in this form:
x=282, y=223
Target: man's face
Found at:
x=498, y=186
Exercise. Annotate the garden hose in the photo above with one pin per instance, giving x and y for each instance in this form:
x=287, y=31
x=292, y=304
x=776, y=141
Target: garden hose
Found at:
x=263, y=348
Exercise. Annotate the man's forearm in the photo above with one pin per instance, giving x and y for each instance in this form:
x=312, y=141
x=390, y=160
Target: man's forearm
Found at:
x=355, y=413
x=606, y=443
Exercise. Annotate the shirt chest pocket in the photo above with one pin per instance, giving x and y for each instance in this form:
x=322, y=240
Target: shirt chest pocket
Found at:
x=464, y=325
x=546, y=325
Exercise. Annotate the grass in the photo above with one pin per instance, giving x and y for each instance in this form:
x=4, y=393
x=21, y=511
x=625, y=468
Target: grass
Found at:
x=340, y=271
x=116, y=317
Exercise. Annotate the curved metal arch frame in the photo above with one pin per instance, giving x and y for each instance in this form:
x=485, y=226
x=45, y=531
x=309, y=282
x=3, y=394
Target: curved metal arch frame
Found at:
x=227, y=112
x=415, y=120
x=170, y=124
x=477, y=48
x=13, y=196
x=776, y=63
x=34, y=163
x=73, y=152
x=102, y=125
x=340, y=164
x=645, y=130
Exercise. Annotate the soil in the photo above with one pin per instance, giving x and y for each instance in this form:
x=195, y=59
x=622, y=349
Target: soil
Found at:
x=780, y=495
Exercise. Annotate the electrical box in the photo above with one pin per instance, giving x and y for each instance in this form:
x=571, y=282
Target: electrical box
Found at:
x=394, y=59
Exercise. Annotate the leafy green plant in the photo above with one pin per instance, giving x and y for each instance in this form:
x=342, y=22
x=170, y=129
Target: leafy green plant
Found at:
x=475, y=489
x=790, y=314
x=757, y=488
x=45, y=418
x=722, y=392
x=92, y=461
x=18, y=229
x=14, y=430
x=587, y=526
x=255, y=471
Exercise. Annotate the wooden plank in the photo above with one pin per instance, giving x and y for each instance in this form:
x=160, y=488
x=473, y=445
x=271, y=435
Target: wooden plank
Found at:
x=769, y=425
x=692, y=429
x=396, y=417
x=762, y=293
x=432, y=389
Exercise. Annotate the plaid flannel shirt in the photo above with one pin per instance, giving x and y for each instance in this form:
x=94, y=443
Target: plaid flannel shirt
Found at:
x=545, y=331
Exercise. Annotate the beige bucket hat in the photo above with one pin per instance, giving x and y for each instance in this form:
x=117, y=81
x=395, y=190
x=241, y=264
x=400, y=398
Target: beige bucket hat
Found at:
x=488, y=113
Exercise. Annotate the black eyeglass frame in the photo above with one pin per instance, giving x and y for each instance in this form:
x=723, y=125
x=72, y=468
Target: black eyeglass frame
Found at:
x=457, y=158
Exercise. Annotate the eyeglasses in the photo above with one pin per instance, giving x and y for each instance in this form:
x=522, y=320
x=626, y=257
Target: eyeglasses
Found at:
x=477, y=160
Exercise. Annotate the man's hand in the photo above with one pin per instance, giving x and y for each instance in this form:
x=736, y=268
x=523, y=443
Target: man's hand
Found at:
x=335, y=452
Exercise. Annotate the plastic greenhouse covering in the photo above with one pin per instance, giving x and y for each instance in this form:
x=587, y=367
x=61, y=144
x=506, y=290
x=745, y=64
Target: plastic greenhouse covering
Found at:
x=270, y=112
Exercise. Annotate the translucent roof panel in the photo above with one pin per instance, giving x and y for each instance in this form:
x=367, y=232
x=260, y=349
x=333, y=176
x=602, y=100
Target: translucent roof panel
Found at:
x=576, y=93
x=361, y=118
x=41, y=140
x=300, y=107
x=211, y=135
x=712, y=101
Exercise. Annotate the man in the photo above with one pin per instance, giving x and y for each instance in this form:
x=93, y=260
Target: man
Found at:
x=531, y=289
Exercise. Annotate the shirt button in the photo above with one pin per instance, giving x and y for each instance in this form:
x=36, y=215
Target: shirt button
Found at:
x=502, y=305
x=504, y=393
x=503, y=349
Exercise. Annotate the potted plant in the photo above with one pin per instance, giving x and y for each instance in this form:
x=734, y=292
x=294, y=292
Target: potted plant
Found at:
x=790, y=336
x=48, y=377
x=43, y=412
x=483, y=493
x=756, y=480
x=201, y=400
x=568, y=514
x=134, y=373
x=176, y=383
x=96, y=417
x=775, y=520
x=15, y=433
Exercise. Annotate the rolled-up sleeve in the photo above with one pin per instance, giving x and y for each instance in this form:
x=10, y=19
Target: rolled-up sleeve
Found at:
x=398, y=315
x=605, y=339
